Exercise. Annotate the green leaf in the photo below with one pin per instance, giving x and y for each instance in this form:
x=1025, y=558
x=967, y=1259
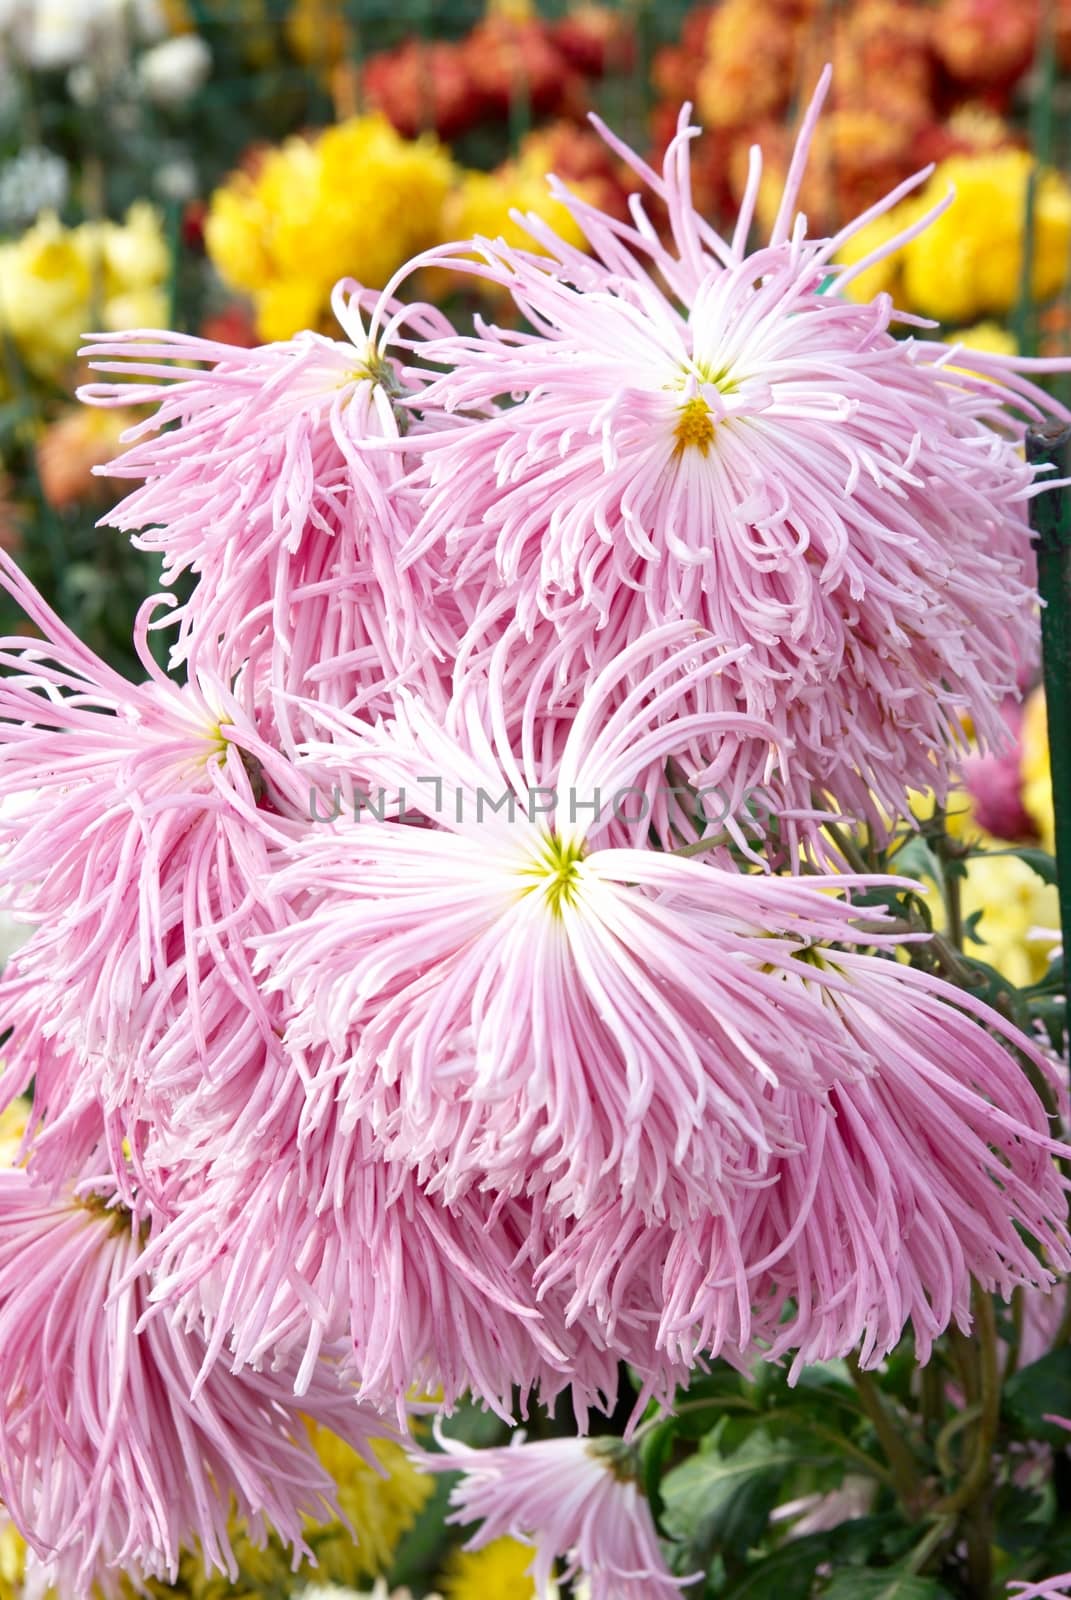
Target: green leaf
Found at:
x=655, y=1451
x=1042, y=1389
x=788, y=1573
x=720, y=1501
x=1018, y=1515
x=916, y=858
x=871, y=1583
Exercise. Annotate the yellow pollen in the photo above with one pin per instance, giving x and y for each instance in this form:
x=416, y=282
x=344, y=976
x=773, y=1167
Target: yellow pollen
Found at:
x=555, y=872
x=695, y=426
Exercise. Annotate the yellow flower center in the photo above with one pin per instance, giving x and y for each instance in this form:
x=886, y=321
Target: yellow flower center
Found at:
x=695, y=426
x=555, y=872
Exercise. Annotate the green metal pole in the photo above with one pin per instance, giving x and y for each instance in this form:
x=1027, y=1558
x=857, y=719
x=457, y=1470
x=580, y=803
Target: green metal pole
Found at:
x=1050, y=518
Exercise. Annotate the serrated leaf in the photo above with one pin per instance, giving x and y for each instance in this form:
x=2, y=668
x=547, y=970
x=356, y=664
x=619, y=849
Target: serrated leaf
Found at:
x=720, y=1501
x=1040, y=1390
x=871, y=1583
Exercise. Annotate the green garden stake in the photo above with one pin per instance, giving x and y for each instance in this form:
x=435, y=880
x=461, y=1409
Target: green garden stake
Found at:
x=1050, y=518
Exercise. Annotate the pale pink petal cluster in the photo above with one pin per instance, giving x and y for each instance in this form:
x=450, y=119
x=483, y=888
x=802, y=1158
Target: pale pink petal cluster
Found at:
x=106, y=1454
x=1055, y=1588
x=575, y=1500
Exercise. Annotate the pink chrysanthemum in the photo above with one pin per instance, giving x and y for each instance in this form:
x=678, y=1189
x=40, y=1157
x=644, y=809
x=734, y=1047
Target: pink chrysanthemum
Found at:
x=261, y=477
x=106, y=1461
x=522, y=1001
x=931, y=1168
x=708, y=433
x=575, y=1500
x=143, y=862
x=316, y=1242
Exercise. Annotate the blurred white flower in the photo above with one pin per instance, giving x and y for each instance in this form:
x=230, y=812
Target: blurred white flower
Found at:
x=33, y=181
x=174, y=70
x=51, y=35
x=176, y=179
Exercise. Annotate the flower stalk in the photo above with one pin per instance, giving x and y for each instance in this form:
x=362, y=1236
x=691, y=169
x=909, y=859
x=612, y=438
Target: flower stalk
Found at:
x=1051, y=523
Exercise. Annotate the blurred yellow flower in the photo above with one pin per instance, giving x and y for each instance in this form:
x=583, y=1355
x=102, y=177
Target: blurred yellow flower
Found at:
x=968, y=263
x=497, y=1572
x=13, y=1120
x=380, y=1509
x=318, y=32
x=884, y=276
x=45, y=287
x=481, y=204
x=1020, y=915
x=58, y=283
x=1034, y=765
x=989, y=336
x=12, y=1559
x=1020, y=912
x=356, y=201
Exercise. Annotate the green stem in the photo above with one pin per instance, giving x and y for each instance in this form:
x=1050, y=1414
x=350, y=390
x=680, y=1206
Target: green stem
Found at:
x=931, y=1392
x=1050, y=518
x=848, y=848
x=984, y=1390
x=929, y=1542
x=1018, y=1309
x=844, y=1446
x=728, y=1402
x=971, y=1501
x=897, y=1453
x=949, y=1432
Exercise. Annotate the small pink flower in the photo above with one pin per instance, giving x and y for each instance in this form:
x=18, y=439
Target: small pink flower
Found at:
x=994, y=783
x=575, y=1500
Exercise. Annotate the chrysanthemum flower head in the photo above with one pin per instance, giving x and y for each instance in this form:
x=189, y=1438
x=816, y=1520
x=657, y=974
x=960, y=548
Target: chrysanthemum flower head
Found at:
x=933, y=1169
x=704, y=431
x=261, y=477
x=521, y=997
x=106, y=1460
x=139, y=860
x=575, y=1500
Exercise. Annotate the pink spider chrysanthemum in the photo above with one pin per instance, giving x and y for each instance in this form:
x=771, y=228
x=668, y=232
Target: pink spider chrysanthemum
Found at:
x=699, y=431
x=576, y=1500
x=142, y=863
x=260, y=477
x=317, y=1242
x=522, y=1000
x=932, y=1168
x=107, y=1462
